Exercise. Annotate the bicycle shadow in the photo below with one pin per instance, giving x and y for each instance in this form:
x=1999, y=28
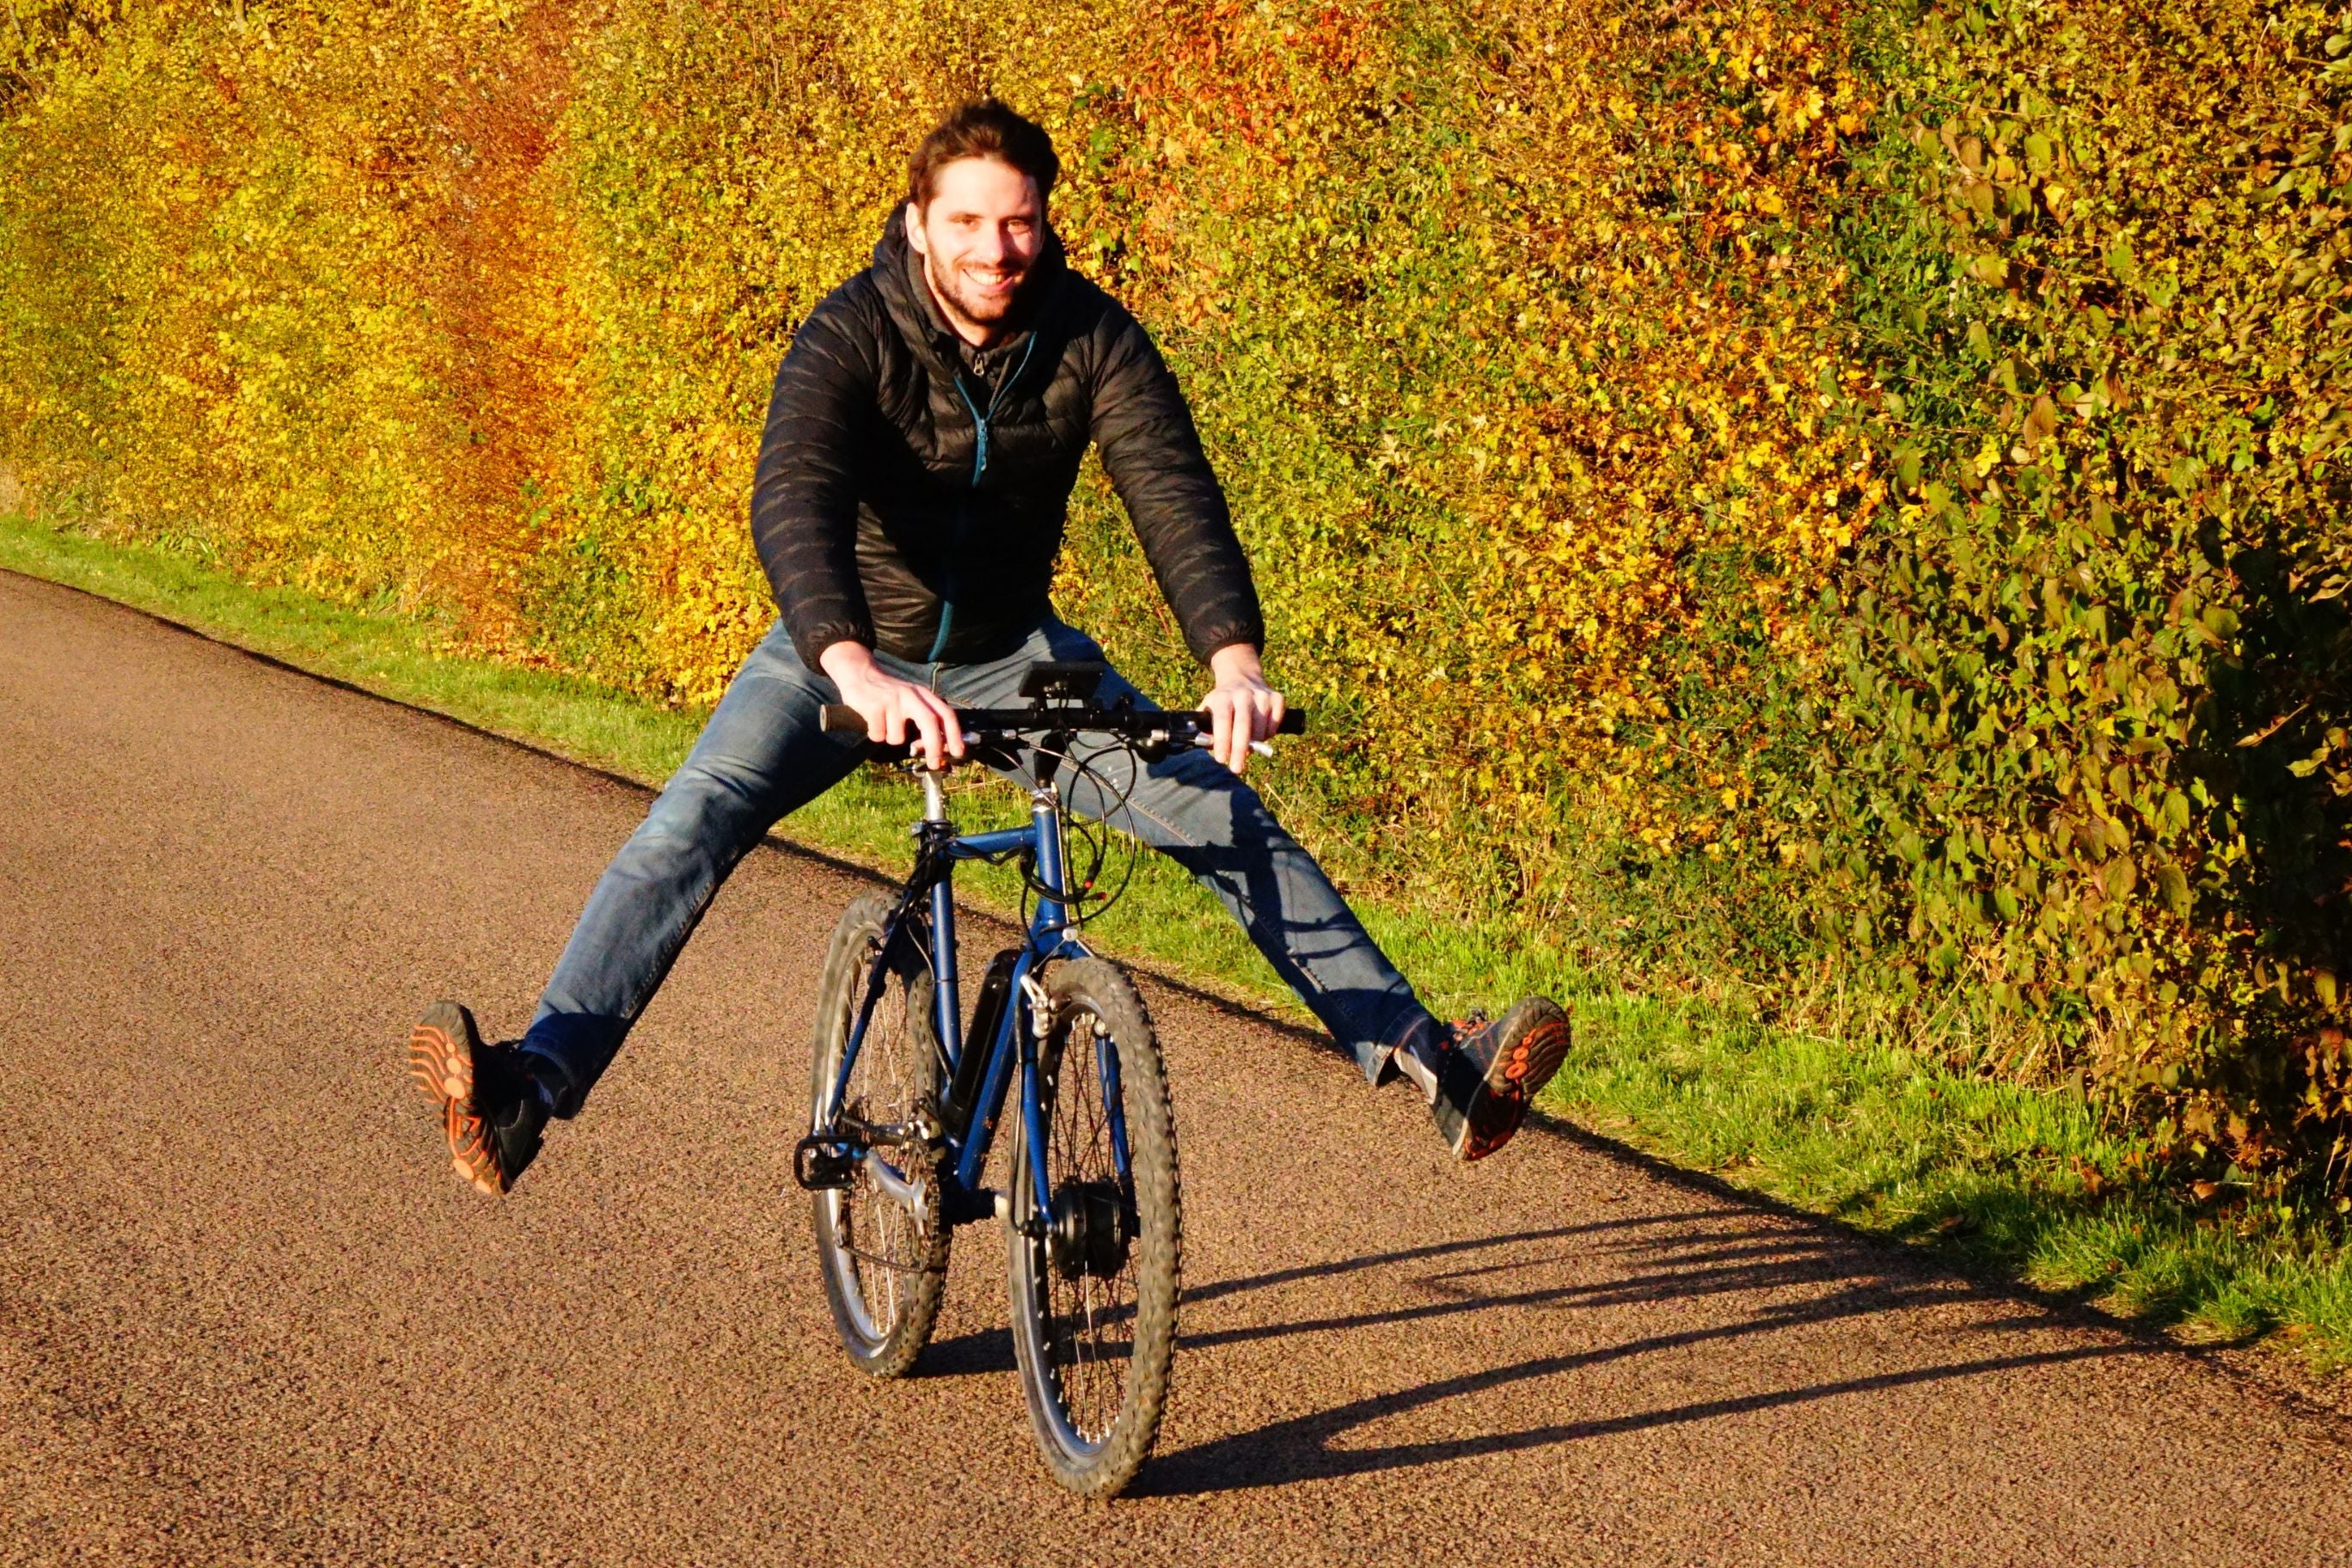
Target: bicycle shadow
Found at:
x=1306, y=1447
x=1818, y=1277
x=1812, y=1275
x=976, y=1355
x=985, y=1351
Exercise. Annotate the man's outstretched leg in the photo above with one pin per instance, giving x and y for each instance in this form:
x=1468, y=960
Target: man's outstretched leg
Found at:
x=1478, y=1077
x=762, y=755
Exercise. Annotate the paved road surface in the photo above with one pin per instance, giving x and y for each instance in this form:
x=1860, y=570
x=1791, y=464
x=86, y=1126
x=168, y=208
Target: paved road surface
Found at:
x=246, y=1315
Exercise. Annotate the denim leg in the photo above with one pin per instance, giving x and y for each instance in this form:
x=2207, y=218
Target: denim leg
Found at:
x=1191, y=809
x=761, y=756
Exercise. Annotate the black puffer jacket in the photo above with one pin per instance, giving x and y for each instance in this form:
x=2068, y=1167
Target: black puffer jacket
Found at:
x=904, y=502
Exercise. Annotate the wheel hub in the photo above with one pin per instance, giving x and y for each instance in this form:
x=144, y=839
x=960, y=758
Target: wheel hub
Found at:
x=1092, y=1231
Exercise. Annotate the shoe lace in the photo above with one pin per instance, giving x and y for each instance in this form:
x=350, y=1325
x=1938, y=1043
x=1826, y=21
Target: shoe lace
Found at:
x=1461, y=1028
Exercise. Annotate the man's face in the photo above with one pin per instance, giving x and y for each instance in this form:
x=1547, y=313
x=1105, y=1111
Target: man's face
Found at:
x=979, y=237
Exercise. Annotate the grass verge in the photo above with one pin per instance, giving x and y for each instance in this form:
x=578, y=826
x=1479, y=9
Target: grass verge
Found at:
x=2005, y=1180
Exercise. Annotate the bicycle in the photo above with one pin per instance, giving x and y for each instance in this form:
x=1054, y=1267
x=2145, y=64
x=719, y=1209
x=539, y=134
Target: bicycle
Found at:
x=904, y=1100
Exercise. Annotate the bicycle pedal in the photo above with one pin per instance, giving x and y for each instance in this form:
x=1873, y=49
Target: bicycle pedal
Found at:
x=821, y=1164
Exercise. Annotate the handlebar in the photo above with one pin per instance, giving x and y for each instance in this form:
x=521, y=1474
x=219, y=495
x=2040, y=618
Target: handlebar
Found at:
x=1146, y=725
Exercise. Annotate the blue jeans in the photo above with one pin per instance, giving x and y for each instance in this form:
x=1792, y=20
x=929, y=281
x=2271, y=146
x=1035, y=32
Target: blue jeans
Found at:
x=762, y=756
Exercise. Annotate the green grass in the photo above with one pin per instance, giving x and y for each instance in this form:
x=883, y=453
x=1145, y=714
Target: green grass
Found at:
x=2005, y=1180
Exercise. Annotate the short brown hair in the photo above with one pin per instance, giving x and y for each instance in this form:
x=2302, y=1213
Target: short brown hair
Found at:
x=983, y=129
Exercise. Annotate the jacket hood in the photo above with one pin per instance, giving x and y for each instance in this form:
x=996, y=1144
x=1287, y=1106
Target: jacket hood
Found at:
x=897, y=273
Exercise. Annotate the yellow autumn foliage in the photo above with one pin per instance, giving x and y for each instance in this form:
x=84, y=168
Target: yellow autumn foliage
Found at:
x=1782, y=490
x=1489, y=328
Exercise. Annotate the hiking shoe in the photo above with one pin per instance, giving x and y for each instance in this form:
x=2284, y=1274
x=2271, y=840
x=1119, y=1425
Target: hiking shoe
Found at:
x=490, y=1108
x=1488, y=1072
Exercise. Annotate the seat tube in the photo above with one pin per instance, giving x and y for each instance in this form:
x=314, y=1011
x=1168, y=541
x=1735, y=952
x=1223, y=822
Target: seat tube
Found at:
x=947, y=1009
x=1044, y=931
x=943, y=954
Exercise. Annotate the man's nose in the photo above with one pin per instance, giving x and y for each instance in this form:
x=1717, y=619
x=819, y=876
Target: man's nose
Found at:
x=991, y=247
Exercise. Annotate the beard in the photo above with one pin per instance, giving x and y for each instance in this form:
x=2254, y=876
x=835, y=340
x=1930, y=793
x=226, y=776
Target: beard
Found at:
x=984, y=296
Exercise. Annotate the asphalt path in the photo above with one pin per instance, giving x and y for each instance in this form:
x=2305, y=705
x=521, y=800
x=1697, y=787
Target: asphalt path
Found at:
x=247, y=1315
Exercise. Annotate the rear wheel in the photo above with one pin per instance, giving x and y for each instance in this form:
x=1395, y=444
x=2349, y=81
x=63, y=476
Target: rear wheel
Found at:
x=1094, y=1298
x=883, y=1263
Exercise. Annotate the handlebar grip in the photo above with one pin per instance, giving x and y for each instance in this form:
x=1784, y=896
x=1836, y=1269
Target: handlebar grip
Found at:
x=841, y=719
x=1294, y=722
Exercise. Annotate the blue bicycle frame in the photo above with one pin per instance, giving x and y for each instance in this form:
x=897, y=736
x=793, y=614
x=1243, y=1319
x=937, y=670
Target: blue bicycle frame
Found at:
x=1051, y=935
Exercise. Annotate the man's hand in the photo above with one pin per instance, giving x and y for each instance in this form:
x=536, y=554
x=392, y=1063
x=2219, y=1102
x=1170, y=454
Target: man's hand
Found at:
x=888, y=705
x=1244, y=706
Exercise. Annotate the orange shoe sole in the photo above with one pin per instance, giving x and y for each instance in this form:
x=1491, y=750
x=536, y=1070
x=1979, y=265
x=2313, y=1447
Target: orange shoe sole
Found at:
x=441, y=1061
x=1511, y=1084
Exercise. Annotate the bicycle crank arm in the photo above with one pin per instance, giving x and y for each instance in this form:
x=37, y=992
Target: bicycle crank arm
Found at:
x=906, y=1194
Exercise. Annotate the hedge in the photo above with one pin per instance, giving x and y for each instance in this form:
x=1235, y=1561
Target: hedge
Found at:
x=1794, y=499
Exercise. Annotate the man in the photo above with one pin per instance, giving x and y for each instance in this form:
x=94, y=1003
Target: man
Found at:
x=921, y=444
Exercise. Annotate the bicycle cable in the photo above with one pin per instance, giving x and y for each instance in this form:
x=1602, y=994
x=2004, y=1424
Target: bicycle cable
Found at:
x=1095, y=833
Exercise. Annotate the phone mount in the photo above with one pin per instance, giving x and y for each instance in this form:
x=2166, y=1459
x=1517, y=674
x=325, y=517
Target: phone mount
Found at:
x=1063, y=683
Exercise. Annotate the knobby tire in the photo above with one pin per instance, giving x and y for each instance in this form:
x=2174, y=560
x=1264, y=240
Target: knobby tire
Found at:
x=1094, y=1353
x=883, y=1273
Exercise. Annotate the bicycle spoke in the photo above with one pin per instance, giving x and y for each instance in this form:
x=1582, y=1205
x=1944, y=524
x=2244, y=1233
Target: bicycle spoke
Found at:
x=1087, y=1317
x=877, y=1231
x=883, y=1265
x=1093, y=1296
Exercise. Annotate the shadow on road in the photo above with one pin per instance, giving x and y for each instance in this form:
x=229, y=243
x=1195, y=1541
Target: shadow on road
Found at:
x=1805, y=1278
x=1802, y=1276
x=975, y=1354
x=1686, y=1264
x=990, y=1350
x=1304, y=1448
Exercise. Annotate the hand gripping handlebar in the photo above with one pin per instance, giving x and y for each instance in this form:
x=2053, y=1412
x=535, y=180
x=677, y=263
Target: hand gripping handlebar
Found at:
x=1142, y=724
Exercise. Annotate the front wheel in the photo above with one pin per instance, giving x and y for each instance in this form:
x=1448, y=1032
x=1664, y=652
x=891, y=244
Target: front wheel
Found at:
x=1094, y=1290
x=885, y=1263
